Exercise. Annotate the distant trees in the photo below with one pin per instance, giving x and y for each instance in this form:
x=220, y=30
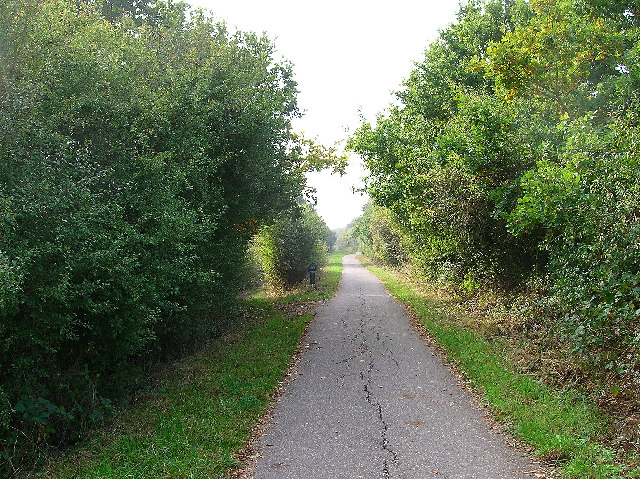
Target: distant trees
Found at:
x=141, y=148
x=345, y=240
x=514, y=152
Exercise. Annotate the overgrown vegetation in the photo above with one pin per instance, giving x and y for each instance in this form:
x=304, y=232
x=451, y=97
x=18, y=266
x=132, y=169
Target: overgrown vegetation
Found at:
x=511, y=162
x=194, y=422
x=142, y=146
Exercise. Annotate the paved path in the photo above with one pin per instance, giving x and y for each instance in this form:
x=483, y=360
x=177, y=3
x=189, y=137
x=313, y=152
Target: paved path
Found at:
x=372, y=401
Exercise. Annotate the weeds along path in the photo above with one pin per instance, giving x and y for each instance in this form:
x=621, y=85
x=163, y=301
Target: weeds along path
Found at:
x=372, y=401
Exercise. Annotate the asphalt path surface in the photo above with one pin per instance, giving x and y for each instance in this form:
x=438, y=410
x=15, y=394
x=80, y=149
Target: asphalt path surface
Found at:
x=371, y=400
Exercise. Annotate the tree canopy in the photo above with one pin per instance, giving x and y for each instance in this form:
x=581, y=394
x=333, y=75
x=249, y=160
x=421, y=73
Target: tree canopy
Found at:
x=513, y=153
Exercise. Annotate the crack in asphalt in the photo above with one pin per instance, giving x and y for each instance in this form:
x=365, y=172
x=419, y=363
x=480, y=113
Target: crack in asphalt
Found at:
x=347, y=414
x=367, y=379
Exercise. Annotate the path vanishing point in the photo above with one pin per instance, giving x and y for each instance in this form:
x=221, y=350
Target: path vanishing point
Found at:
x=371, y=400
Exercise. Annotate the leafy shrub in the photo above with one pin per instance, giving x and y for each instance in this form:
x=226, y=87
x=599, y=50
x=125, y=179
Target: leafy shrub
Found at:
x=587, y=204
x=380, y=236
x=286, y=248
x=136, y=159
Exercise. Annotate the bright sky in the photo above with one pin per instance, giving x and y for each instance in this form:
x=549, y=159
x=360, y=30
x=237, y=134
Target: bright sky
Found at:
x=348, y=56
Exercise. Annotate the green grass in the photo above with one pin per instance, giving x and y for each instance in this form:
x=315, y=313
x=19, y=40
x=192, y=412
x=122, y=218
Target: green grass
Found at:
x=561, y=427
x=193, y=423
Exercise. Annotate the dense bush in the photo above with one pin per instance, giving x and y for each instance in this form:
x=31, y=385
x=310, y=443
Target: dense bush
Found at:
x=587, y=202
x=513, y=153
x=137, y=158
x=286, y=248
x=448, y=160
x=346, y=241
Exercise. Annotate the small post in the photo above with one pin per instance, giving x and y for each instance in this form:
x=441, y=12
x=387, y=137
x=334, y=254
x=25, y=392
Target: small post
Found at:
x=312, y=274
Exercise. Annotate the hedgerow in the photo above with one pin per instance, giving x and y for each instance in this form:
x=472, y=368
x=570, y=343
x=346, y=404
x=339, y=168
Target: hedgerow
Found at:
x=512, y=157
x=140, y=150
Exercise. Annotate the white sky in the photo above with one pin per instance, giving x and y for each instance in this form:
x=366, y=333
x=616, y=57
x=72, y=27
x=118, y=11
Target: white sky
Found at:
x=348, y=56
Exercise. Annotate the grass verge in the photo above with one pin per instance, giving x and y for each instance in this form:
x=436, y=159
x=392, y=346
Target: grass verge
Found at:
x=203, y=409
x=560, y=427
